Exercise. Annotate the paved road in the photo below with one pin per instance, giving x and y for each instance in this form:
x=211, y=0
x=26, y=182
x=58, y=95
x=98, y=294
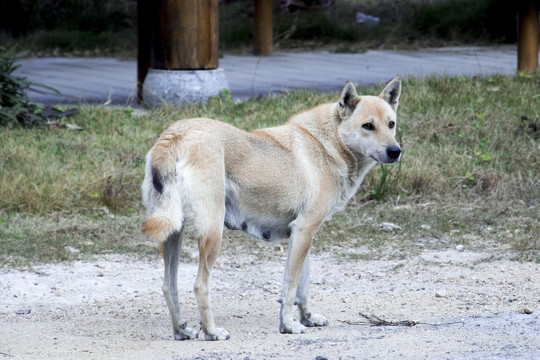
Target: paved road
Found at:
x=99, y=80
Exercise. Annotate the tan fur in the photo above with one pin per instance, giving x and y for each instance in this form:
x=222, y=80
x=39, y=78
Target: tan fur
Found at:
x=273, y=183
x=165, y=150
x=154, y=226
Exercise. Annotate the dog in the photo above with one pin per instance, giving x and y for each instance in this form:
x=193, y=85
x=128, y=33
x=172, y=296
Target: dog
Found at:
x=275, y=183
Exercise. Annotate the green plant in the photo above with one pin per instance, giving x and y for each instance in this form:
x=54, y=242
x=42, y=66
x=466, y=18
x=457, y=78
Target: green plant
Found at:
x=385, y=181
x=15, y=107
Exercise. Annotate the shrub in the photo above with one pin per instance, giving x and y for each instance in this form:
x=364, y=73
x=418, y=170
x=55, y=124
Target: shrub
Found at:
x=15, y=106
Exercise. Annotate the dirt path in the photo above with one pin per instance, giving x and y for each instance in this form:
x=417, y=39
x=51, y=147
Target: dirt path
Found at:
x=112, y=308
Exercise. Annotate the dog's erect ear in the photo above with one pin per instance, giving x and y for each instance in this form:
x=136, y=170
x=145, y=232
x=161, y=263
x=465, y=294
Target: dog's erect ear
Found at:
x=348, y=99
x=391, y=92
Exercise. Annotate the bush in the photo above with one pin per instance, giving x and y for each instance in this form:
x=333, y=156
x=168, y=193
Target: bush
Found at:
x=15, y=107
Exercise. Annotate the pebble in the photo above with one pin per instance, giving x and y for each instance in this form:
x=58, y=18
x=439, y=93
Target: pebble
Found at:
x=460, y=247
x=526, y=311
x=441, y=294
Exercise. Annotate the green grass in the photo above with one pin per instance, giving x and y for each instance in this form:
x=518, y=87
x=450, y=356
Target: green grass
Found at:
x=27, y=239
x=469, y=175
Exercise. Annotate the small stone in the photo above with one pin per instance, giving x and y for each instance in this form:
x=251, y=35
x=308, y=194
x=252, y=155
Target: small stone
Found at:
x=441, y=294
x=23, y=311
x=425, y=227
x=526, y=311
x=321, y=357
x=460, y=247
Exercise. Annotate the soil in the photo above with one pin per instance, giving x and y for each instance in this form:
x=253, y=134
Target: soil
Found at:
x=469, y=305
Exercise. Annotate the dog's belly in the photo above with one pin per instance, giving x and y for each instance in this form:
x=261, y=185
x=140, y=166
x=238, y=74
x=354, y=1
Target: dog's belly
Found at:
x=269, y=231
x=264, y=226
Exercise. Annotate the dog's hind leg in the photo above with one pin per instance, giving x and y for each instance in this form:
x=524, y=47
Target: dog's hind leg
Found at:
x=207, y=186
x=170, y=250
x=209, y=246
x=307, y=318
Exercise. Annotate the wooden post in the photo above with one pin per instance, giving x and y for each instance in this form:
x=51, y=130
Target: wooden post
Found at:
x=185, y=34
x=263, y=27
x=183, y=52
x=144, y=38
x=528, y=37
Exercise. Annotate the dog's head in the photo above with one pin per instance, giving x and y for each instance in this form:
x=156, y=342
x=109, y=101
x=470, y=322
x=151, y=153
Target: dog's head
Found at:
x=368, y=123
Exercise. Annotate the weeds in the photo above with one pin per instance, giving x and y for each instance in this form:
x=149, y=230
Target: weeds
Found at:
x=388, y=176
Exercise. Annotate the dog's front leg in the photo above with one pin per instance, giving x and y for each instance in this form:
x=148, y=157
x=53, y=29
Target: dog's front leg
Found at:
x=299, y=244
x=307, y=318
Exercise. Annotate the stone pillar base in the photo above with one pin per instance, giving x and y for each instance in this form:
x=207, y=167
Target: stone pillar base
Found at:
x=182, y=87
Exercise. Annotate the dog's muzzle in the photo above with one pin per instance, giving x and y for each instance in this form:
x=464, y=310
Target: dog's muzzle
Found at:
x=393, y=153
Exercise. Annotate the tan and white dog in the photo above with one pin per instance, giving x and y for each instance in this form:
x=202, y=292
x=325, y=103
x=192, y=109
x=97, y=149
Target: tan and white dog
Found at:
x=274, y=183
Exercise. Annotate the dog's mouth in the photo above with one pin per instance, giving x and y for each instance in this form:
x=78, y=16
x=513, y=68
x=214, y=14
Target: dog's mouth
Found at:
x=385, y=160
x=390, y=161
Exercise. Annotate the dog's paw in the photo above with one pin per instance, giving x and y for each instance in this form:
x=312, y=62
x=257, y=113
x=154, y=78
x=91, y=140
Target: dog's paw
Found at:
x=292, y=327
x=315, y=320
x=186, y=334
x=217, y=334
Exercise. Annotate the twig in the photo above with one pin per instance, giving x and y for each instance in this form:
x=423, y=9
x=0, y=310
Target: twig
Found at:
x=489, y=219
x=377, y=321
x=6, y=355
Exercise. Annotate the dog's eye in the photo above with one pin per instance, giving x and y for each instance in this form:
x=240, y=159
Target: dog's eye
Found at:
x=368, y=126
x=391, y=124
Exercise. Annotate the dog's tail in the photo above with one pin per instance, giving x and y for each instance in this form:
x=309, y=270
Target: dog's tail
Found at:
x=161, y=192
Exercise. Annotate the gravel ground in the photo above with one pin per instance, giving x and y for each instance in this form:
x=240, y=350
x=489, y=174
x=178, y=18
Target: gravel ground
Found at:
x=470, y=306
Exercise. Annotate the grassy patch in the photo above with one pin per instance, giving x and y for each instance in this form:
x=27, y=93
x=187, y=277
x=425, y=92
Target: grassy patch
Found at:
x=506, y=229
x=469, y=174
x=29, y=239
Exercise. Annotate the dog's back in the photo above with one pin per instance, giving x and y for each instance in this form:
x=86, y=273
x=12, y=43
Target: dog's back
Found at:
x=257, y=177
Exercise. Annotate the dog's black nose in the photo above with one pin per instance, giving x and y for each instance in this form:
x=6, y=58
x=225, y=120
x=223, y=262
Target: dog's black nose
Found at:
x=393, y=151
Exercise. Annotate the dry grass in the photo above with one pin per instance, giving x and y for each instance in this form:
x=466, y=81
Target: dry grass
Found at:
x=469, y=174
